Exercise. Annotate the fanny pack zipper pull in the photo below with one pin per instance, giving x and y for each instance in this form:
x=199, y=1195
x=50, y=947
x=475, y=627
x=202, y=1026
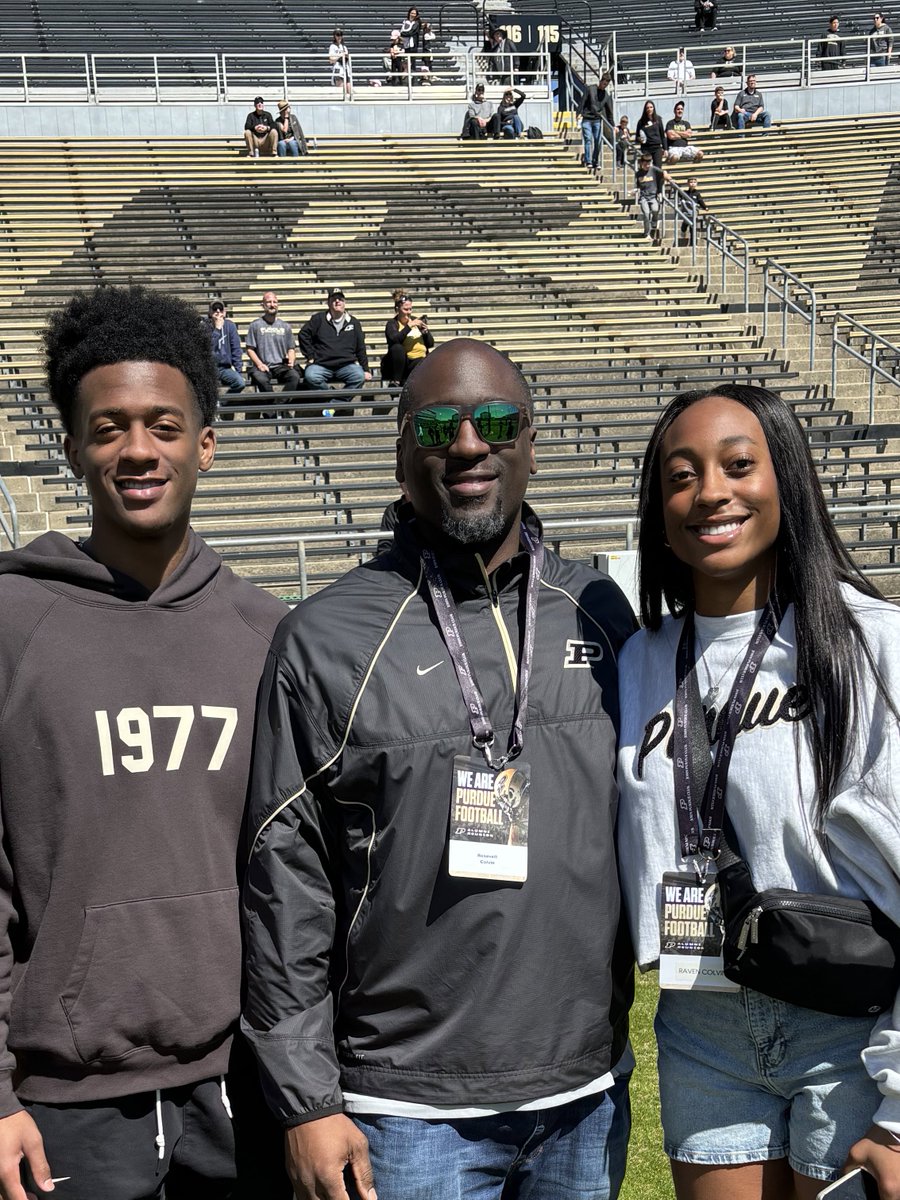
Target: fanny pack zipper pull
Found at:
x=749, y=929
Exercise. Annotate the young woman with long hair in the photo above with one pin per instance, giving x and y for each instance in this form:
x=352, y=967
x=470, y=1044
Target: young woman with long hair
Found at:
x=651, y=133
x=761, y=1099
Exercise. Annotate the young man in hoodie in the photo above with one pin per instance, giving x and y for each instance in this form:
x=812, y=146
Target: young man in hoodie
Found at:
x=128, y=669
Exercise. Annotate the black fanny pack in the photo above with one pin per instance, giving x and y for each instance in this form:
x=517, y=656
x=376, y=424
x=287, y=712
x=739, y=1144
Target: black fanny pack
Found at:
x=828, y=953
x=832, y=954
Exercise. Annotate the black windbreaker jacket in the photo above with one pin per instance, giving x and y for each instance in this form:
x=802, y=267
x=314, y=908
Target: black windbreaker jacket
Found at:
x=368, y=967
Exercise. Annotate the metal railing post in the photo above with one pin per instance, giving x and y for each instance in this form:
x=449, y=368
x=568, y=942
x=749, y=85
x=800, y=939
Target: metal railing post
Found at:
x=812, y=331
x=873, y=364
x=24, y=79
x=765, y=284
x=834, y=349
x=284, y=75
x=156, y=77
x=301, y=567
x=784, y=310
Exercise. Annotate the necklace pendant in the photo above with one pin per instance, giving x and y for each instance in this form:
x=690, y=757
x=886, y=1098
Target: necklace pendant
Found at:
x=710, y=698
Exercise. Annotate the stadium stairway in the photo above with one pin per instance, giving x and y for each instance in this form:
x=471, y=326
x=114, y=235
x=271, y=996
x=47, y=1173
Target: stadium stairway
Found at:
x=507, y=241
x=822, y=198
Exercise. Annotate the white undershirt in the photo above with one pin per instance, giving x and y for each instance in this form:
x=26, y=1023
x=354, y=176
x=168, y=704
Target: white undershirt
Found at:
x=354, y=1102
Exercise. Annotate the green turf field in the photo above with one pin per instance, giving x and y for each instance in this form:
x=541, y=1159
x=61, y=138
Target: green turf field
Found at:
x=648, y=1175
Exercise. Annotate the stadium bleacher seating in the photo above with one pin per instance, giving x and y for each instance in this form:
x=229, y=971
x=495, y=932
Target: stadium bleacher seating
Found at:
x=510, y=242
x=820, y=197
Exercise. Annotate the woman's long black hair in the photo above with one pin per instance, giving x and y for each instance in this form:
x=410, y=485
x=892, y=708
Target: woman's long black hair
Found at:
x=811, y=564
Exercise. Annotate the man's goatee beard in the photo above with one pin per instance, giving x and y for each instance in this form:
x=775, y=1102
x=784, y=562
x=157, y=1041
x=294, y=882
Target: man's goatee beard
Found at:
x=474, y=527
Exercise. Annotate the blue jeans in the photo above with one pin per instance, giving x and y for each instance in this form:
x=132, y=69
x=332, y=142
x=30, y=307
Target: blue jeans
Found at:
x=514, y=124
x=761, y=122
x=288, y=146
x=576, y=1151
x=232, y=379
x=590, y=133
x=351, y=376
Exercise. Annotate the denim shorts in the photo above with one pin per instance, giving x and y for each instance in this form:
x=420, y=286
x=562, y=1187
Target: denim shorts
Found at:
x=744, y=1078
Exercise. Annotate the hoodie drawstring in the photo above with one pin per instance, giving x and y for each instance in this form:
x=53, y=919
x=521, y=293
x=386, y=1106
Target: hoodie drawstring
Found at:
x=160, y=1142
x=226, y=1103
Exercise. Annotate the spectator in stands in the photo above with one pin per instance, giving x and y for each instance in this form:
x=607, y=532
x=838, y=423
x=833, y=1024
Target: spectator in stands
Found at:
x=395, y=59
x=260, y=133
x=508, y=120
x=648, y=184
x=831, y=48
x=411, y=32
x=334, y=347
x=749, y=109
x=728, y=67
x=480, y=119
x=679, y=133
x=129, y=663
x=698, y=205
x=706, y=14
x=428, y=36
x=651, y=134
x=291, y=139
x=595, y=107
x=681, y=69
x=408, y=341
x=719, y=111
x=624, y=142
x=501, y=49
x=881, y=41
x=271, y=350
x=339, y=57
x=226, y=351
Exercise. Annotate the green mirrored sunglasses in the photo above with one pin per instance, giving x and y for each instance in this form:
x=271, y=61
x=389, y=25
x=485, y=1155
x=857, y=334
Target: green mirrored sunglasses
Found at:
x=496, y=422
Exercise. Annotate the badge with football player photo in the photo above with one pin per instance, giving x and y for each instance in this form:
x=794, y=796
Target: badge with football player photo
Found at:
x=691, y=933
x=489, y=820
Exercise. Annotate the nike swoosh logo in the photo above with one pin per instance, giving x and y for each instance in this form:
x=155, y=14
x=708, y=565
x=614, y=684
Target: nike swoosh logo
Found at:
x=421, y=671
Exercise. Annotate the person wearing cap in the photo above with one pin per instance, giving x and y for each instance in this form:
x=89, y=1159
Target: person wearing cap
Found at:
x=226, y=350
x=291, y=139
x=395, y=58
x=502, y=50
x=480, y=120
x=260, y=133
x=334, y=347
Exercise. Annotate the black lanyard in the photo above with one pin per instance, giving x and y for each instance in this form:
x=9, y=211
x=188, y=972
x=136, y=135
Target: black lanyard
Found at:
x=699, y=786
x=448, y=619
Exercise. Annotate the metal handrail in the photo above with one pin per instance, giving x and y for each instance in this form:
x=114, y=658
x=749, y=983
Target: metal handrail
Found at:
x=870, y=360
x=561, y=527
x=104, y=78
x=801, y=58
x=788, y=278
x=9, y=522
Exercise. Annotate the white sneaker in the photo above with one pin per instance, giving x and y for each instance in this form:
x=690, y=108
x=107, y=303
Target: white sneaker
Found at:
x=327, y=412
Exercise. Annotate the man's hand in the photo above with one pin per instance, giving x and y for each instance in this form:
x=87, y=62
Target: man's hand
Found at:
x=316, y=1154
x=20, y=1138
x=262, y=127
x=879, y=1153
x=367, y=378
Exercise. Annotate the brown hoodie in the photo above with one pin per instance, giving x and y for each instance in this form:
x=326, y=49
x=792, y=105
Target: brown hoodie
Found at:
x=125, y=733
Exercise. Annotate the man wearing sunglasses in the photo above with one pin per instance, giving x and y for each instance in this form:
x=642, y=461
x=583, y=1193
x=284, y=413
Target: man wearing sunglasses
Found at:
x=431, y=903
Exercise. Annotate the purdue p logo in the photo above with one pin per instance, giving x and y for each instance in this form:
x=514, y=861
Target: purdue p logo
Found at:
x=582, y=654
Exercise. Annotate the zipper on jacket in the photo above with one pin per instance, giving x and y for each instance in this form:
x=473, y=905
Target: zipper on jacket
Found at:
x=501, y=624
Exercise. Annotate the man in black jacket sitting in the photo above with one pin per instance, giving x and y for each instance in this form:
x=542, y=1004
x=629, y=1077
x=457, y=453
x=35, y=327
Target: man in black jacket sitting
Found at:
x=334, y=346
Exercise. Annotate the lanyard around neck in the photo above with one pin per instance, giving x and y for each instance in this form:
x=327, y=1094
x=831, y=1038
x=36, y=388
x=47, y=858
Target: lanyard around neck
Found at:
x=451, y=631
x=699, y=784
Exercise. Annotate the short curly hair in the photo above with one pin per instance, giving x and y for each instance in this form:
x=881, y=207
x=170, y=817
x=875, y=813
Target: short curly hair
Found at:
x=127, y=324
